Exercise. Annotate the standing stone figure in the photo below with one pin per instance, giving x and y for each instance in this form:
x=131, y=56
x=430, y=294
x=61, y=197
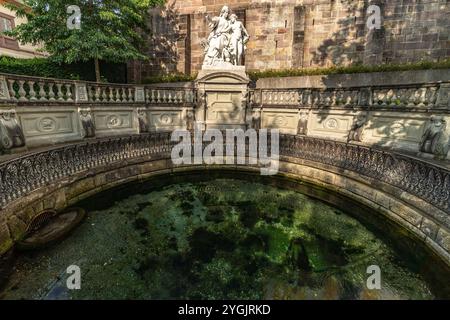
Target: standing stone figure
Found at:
x=357, y=129
x=435, y=139
x=302, y=128
x=239, y=39
x=143, y=121
x=88, y=123
x=226, y=42
x=11, y=134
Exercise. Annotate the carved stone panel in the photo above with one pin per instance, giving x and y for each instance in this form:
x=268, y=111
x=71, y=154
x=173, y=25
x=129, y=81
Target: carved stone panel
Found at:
x=335, y=125
x=223, y=98
x=224, y=108
x=47, y=127
x=166, y=120
x=286, y=120
x=114, y=121
x=396, y=130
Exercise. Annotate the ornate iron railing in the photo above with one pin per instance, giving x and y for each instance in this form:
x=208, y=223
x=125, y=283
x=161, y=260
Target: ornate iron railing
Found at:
x=24, y=174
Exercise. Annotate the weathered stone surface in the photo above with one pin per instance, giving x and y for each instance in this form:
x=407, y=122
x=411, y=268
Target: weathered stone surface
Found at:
x=6, y=242
x=80, y=187
x=298, y=33
x=17, y=227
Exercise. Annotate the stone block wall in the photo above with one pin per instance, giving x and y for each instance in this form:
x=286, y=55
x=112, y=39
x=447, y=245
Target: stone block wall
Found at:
x=300, y=33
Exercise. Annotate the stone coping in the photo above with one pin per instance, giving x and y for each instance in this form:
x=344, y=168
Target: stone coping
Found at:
x=391, y=78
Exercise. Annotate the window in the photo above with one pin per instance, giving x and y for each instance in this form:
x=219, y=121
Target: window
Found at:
x=7, y=24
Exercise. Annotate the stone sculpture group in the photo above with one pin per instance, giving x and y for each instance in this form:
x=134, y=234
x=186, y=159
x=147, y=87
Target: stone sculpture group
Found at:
x=227, y=41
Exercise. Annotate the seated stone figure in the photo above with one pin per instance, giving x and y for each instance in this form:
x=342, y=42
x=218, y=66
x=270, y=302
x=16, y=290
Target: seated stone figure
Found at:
x=435, y=139
x=11, y=134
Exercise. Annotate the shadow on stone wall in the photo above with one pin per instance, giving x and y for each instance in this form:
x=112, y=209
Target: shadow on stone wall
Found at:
x=411, y=31
x=162, y=42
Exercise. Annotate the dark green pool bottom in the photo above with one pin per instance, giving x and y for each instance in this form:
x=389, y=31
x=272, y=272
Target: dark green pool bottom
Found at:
x=225, y=239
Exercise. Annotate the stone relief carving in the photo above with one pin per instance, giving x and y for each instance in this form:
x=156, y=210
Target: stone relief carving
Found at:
x=190, y=121
x=11, y=134
x=227, y=41
x=144, y=125
x=87, y=122
x=357, y=129
x=256, y=119
x=302, y=128
x=114, y=121
x=47, y=124
x=435, y=139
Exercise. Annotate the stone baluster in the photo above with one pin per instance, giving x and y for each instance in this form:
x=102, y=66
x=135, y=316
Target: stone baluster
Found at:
x=90, y=95
x=42, y=93
x=111, y=94
x=175, y=97
x=104, y=96
x=152, y=98
x=12, y=92
x=124, y=94
x=158, y=96
x=421, y=97
x=97, y=94
x=32, y=92
x=69, y=94
x=22, y=92
x=131, y=94
x=411, y=97
x=60, y=92
x=51, y=93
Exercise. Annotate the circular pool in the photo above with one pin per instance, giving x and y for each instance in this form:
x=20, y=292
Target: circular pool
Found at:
x=218, y=237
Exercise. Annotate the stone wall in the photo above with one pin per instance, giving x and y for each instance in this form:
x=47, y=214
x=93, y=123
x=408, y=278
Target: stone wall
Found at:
x=301, y=33
x=392, y=110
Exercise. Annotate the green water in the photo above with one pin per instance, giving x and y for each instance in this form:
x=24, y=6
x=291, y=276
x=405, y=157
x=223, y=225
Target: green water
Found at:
x=222, y=239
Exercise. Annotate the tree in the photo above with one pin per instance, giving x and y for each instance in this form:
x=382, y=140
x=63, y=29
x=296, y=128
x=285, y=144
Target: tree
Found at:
x=110, y=30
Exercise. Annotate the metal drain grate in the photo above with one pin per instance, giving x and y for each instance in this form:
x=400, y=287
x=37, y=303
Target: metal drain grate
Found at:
x=40, y=220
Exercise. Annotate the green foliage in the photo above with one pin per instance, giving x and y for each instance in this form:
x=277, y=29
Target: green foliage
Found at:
x=179, y=77
x=357, y=68
x=40, y=67
x=110, y=29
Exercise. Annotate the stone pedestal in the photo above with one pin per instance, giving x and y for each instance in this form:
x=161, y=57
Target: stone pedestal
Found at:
x=223, y=98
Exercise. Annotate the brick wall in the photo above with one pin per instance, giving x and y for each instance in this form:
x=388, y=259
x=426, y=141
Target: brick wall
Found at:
x=300, y=33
